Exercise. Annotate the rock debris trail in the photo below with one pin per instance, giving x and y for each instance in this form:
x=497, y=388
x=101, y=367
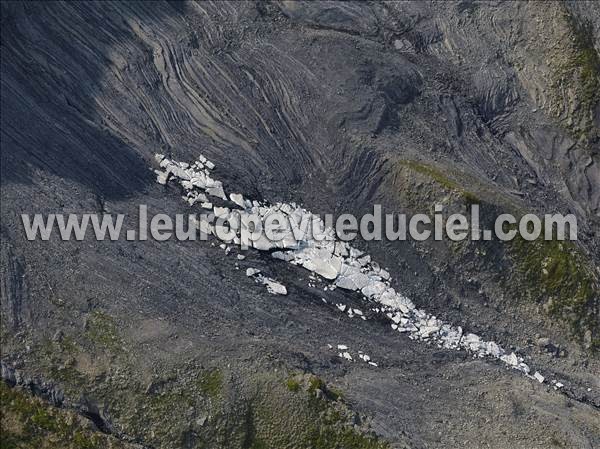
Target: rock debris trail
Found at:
x=272, y=285
x=303, y=239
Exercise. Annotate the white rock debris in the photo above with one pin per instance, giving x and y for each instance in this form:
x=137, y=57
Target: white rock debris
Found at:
x=272, y=285
x=221, y=212
x=238, y=199
x=345, y=353
x=195, y=197
x=252, y=271
x=305, y=240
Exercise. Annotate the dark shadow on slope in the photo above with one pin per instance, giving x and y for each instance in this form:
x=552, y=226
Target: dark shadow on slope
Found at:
x=54, y=60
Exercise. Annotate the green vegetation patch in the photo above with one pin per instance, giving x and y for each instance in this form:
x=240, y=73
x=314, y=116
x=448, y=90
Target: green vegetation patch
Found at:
x=575, y=63
x=57, y=357
x=586, y=60
x=28, y=422
x=211, y=383
x=558, y=274
x=189, y=407
x=305, y=413
x=293, y=384
x=102, y=331
x=441, y=179
x=315, y=383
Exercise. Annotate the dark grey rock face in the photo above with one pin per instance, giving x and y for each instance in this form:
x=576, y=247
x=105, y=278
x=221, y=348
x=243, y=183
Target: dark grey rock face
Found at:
x=332, y=105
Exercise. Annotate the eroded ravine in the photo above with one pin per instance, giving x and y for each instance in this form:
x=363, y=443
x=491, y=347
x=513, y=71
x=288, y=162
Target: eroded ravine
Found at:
x=304, y=240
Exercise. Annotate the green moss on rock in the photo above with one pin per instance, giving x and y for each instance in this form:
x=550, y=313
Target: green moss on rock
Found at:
x=557, y=274
x=293, y=384
x=583, y=65
x=187, y=406
x=29, y=423
x=571, y=83
x=102, y=332
x=310, y=416
x=211, y=383
x=440, y=178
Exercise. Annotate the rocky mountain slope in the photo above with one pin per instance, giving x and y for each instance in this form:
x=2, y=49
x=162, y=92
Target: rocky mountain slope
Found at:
x=335, y=106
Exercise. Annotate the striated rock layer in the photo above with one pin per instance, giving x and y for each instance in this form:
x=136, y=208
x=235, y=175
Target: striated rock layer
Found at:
x=334, y=107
